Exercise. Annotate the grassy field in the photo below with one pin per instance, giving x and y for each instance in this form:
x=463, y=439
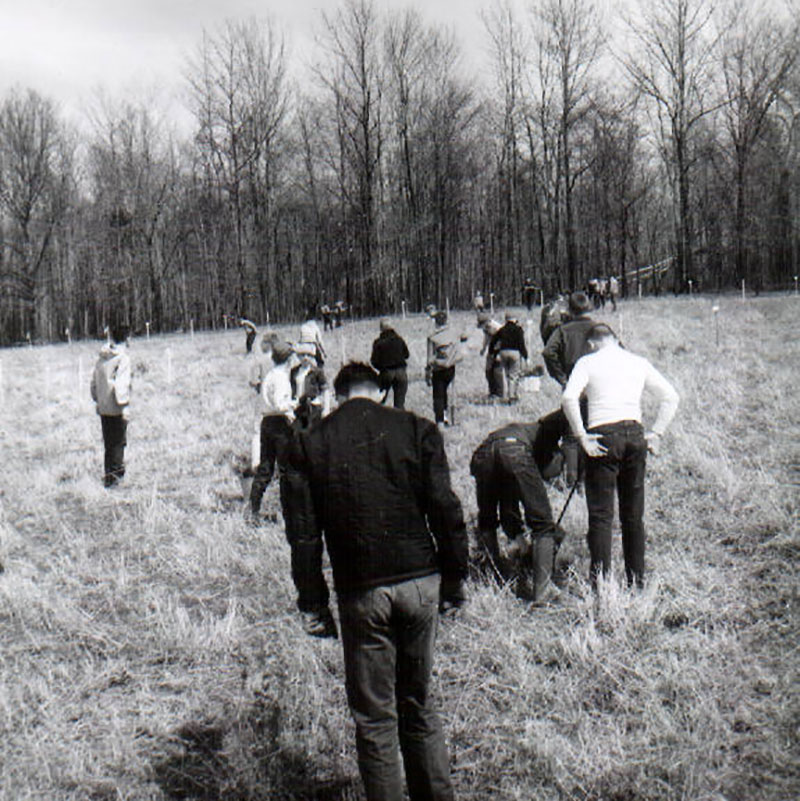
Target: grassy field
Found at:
x=149, y=646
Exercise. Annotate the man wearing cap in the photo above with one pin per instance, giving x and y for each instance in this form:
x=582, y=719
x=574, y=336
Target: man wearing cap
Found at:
x=508, y=467
x=440, y=367
x=276, y=423
x=375, y=483
x=614, y=380
x=309, y=388
x=509, y=346
x=564, y=347
x=389, y=357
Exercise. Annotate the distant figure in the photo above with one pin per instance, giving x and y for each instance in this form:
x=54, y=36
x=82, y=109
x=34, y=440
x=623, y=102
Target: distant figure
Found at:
x=554, y=313
x=508, y=467
x=493, y=369
x=616, y=443
x=443, y=353
x=389, y=358
x=595, y=293
x=375, y=483
x=310, y=389
x=509, y=345
x=339, y=311
x=529, y=291
x=310, y=334
x=276, y=423
x=261, y=365
x=250, y=332
x=111, y=392
x=613, y=290
x=564, y=348
x=327, y=317
x=477, y=302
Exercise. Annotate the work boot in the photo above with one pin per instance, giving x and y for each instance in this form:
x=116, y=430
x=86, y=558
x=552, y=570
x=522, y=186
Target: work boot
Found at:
x=543, y=556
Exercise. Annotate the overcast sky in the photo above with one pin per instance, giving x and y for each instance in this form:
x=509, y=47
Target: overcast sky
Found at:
x=65, y=49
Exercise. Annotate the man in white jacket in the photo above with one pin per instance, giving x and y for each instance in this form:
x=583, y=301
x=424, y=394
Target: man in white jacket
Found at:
x=614, y=380
x=111, y=392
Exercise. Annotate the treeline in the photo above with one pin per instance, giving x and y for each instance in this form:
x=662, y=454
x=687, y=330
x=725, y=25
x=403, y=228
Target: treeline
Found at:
x=398, y=168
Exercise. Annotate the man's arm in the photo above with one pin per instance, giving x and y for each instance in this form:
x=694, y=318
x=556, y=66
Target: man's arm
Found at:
x=552, y=356
x=668, y=404
x=570, y=403
x=122, y=381
x=445, y=516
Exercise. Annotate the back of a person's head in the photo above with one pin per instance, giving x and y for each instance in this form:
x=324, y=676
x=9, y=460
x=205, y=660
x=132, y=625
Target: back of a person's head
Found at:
x=600, y=333
x=385, y=324
x=440, y=318
x=119, y=334
x=355, y=375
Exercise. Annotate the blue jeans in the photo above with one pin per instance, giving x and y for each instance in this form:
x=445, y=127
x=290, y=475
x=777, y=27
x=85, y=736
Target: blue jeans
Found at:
x=388, y=635
x=621, y=470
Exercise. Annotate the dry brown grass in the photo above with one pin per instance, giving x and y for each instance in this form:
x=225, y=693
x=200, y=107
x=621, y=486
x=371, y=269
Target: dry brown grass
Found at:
x=149, y=647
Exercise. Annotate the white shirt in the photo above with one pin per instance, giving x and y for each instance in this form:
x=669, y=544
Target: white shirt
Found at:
x=614, y=380
x=276, y=392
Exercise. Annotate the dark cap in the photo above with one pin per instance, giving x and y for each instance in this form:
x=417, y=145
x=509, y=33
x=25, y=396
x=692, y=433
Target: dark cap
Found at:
x=440, y=318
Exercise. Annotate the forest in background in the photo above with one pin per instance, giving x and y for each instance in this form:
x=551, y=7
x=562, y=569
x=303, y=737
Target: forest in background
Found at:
x=389, y=170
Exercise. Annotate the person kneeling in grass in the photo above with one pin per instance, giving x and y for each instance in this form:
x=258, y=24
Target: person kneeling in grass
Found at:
x=508, y=467
x=614, y=380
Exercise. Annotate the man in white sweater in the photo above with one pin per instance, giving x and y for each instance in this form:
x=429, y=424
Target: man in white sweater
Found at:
x=616, y=443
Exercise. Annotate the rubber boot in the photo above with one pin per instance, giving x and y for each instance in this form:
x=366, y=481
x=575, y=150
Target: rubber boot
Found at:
x=543, y=556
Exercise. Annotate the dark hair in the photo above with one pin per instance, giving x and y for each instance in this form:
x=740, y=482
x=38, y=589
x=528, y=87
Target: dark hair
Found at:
x=600, y=331
x=119, y=333
x=352, y=375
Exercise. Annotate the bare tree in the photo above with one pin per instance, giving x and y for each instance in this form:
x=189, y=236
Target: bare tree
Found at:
x=35, y=170
x=570, y=40
x=238, y=89
x=759, y=52
x=673, y=66
x=353, y=79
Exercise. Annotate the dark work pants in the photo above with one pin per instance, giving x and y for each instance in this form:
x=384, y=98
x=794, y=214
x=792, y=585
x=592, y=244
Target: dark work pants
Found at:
x=396, y=379
x=114, y=439
x=505, y=477
x=440, y=381
x=275, y=435
x=250, y=338
x=388, y=635
x=621, y=470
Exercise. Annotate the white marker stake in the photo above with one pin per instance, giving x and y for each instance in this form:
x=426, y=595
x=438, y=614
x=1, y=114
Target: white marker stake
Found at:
x=690, y=289
x=743, y=293
x=795, y=285
x=447, y=306
x=403, y=306
x=191, y=328
x=147, y=326
x=715, y=309
x=640, y=291
x=541, y=297
x=491, y=302
x=225, y=321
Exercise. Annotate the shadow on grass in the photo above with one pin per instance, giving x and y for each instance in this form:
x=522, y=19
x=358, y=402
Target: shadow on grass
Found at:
x=242, y=761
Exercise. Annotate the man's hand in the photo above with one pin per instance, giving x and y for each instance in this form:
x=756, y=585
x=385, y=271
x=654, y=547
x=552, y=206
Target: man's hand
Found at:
x=126, y=412
x=592, y=445
x=452, y=596
x=653, y=442
x=320, y=623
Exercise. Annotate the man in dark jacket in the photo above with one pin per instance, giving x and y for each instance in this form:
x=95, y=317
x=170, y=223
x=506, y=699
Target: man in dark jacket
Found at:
x=508, y=467
x=509, y=345
x=564, y=347
x=389, y=357
x=375, y=481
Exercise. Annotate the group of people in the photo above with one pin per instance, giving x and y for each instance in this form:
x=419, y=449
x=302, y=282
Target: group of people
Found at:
x=370, y=483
